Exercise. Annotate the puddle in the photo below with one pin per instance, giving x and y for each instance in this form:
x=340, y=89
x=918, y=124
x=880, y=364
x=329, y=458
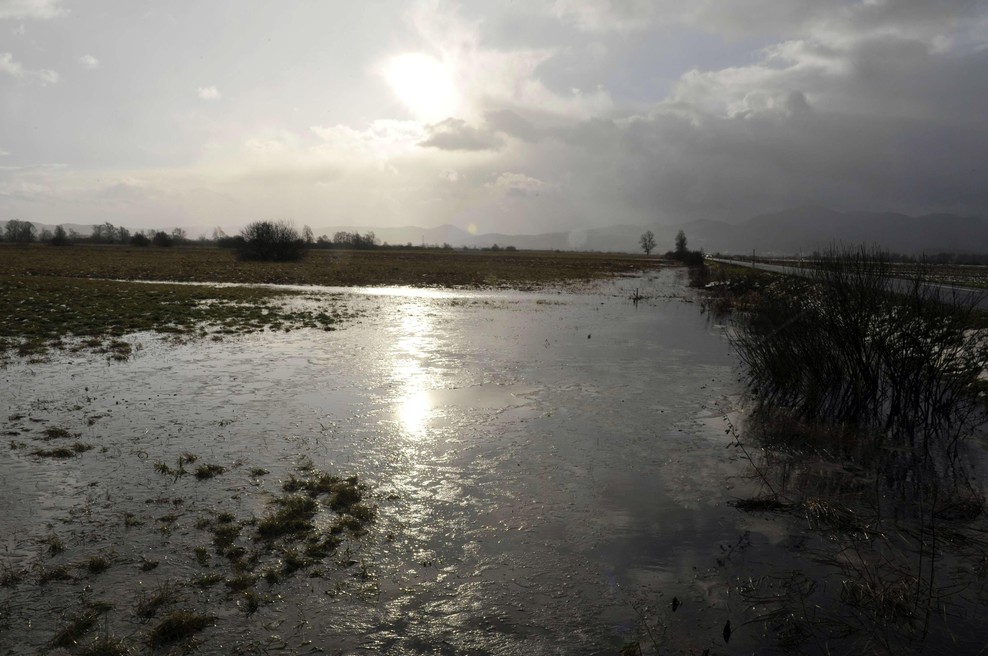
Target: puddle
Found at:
x=543, y=465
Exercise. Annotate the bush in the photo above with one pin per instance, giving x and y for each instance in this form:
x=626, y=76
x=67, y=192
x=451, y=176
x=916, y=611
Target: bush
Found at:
x=275, y=241
x=161, y=239
x=140, y=239
x=856, y=349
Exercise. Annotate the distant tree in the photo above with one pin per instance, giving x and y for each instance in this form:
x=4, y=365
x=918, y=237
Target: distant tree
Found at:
x=45, y=236
x=179, y=236
x=307, y=235
x=59, y=238
x=680, y=243
x=162, y=238
x=22, y=232
x=276, y=241
x=123, y=235
x=218, y=234
x=140, y=239
x=106, y=233
x=647, y=242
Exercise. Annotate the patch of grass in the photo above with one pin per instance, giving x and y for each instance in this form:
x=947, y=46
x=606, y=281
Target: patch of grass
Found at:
x=56, y=573
x=97, y=564
x=54, y=544
x=62, y=452
x=241, y=583
x=205, y=472
x=259, y=471
x=77, y=627
x=106, y=645
x=224, y=535
x=148, y=605
x=179, y=626
x=55, y=432
x=207, y=580
x=201, y=555
x=293, y=515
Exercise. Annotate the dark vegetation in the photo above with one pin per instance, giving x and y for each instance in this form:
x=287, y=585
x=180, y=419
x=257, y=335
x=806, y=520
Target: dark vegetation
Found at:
x=271, y=241
x=864, y=393
x=848, y=350
x=683, y=254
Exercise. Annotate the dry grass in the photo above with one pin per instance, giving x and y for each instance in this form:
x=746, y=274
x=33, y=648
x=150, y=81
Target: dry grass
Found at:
x=319, y=267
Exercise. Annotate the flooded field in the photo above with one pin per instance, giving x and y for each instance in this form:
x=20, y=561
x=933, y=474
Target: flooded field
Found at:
x=536, y=473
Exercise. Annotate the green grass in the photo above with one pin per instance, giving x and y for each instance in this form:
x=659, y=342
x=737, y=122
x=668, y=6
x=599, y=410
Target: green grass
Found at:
x=37, y=313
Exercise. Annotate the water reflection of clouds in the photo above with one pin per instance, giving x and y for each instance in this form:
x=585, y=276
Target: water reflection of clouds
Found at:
x=411, y=370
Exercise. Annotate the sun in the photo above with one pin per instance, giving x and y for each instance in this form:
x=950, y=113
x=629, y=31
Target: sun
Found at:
x=424, y=84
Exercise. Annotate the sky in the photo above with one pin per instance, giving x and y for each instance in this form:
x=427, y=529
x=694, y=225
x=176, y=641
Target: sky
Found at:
x=512, y=116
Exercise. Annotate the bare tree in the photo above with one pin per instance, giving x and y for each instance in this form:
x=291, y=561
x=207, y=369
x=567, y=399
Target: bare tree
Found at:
x=20, y=231
x=647, y=242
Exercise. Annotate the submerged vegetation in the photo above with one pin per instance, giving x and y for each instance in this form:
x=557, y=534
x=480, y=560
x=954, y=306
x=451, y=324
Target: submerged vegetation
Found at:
x=39, y=312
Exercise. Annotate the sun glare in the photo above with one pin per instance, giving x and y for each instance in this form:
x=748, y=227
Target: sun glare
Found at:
x=424, y=84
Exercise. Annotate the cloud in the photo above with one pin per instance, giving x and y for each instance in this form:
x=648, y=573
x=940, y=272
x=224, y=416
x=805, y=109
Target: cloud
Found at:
x=512, y=124
x=455, y=134
x=488, y=77
x=40, y=9
x=14, y=68
x=518, y=184
x=606, y=15
x=380, y=141
x=209, y=93
x=90, y=62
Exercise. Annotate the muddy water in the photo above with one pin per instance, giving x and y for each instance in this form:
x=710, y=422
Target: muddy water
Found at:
x=549, y=469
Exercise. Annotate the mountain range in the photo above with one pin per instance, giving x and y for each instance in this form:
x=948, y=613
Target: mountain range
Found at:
x=788, y=232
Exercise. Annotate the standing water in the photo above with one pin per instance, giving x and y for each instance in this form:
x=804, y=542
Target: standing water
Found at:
x=549, y=474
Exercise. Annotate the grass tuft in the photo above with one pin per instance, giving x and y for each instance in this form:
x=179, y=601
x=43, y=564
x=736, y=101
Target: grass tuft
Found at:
x=180, y=626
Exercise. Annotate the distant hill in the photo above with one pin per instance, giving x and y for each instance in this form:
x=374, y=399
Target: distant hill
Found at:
x=807, y=229
x=789, y=232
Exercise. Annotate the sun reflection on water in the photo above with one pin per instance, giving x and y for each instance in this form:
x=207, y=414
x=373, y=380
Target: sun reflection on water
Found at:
x=411, y=368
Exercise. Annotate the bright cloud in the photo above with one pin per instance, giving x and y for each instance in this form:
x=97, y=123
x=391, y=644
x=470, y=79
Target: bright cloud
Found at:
x=41, y=9
x=90, y=62
x=14, y=68
x=209, y=93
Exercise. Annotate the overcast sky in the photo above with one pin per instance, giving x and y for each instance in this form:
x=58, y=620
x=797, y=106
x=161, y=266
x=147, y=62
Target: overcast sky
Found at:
x=523, y=116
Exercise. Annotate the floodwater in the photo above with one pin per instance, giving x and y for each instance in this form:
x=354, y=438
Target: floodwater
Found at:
x=550, y=471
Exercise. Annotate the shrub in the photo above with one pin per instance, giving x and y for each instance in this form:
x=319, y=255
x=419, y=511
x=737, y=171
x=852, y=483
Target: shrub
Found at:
x=855, y=348
x=276, y=241
x=162, y=239
x=140, y=239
